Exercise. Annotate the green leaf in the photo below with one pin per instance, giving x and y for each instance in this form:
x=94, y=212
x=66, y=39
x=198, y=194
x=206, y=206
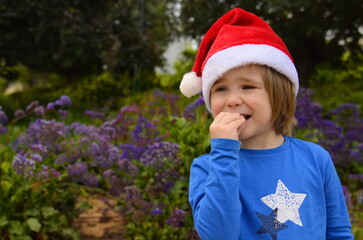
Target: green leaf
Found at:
x=5, y=166
x=48, y=211
x=71, y=233
x=33, y=212
x=34, y=224
x=3, y=220
x=16, y=228
x=5, y=187
x=22, y=237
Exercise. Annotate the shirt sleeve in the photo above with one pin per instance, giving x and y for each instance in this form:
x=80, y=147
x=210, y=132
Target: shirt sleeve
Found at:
x=214, y=191
x=338, y=222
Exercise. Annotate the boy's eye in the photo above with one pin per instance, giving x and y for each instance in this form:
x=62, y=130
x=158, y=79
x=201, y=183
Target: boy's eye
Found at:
x=220, y=89
x=246, y=87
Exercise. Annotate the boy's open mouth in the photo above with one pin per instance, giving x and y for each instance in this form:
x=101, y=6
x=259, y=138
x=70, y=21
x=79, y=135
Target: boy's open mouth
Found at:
x=246, y=116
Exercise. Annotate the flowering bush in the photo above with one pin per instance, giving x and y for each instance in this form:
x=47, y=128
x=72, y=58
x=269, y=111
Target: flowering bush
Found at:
x=34, y=207
x=139, y=156
x=340, y=131
x=129, y=158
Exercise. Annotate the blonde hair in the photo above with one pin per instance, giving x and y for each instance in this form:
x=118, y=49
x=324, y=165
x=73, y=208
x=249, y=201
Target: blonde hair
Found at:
x=282, y=99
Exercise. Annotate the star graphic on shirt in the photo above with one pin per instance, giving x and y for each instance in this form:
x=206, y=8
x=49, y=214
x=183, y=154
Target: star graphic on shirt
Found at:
x=270, y=224
x=288, y=203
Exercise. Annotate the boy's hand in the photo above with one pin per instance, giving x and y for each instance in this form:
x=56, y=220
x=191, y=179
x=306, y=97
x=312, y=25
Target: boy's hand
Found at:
x=227, y=125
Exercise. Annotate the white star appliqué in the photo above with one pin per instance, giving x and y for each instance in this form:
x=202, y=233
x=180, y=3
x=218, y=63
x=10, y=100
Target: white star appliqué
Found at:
x=287, y=203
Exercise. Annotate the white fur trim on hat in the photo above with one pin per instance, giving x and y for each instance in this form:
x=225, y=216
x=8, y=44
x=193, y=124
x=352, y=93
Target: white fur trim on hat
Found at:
x=191, y=84
x=236, y=56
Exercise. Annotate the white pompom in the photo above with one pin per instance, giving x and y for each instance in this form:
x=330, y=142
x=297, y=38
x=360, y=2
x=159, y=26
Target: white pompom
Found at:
x=191, y=84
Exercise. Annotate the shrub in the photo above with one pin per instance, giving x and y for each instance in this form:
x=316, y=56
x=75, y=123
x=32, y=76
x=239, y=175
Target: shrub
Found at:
x=140, y=156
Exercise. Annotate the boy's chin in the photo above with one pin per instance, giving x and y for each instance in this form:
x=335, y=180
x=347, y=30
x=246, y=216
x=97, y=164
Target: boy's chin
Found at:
x=241, y=137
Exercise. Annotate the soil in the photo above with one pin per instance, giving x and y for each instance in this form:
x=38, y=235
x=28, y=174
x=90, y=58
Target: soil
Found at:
x=101, y=222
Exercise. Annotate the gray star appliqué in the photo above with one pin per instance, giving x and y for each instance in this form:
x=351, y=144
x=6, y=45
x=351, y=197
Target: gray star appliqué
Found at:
x=270, y=224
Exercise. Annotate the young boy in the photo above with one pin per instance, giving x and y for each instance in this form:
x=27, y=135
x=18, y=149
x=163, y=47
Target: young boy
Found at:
x=257, y=182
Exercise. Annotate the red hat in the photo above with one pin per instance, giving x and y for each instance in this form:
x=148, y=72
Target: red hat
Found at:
x=237, y=39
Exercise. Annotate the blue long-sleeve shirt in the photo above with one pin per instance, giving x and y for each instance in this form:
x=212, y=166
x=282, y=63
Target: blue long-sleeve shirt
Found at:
x=289, y=192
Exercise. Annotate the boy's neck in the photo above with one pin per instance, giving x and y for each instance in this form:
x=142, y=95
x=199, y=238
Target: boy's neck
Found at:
x=272, y=141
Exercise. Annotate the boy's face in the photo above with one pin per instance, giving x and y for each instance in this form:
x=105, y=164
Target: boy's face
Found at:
x=242, y=91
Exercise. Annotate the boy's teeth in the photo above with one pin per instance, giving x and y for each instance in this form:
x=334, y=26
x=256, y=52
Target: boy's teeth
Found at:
x=246, y=116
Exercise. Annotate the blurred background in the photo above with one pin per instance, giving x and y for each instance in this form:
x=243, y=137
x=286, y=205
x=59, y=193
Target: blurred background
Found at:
x=100, y=50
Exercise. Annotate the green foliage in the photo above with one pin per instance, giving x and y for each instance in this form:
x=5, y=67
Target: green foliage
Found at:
x=33, y=208
x=19, y=100
x=77, y=38
x=183, y=65
x=141, y=190
x=314, y=31
x=101, y=89
x=334, y=86
x=105, y=90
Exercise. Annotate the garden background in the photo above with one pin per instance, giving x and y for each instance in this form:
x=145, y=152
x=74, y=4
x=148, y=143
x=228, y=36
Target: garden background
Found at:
x=84, y=114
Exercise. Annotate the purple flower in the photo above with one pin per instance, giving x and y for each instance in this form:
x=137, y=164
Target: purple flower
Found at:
x=308, y=113
x=142, y=128
x=104, y=154
x=356, y=156
x=165, y=101
x=78, y=169
x=130, y=108
x=63, y=101
x=19, y=113
x=132, y=194
x=3, y=130
x=189, y=112
x=50, y=106
x=3, y=117
x=354, y=135
x=23, y=165
x=108, y=173
x=94, y=114
x=62, y=159
x=356, y=177
x=90, y=181
x=66, y=101
x=27, y=166
x=36, y=157
x=131, y=152
x=165, y=180
x=39, y=148
x=46, y=133
x=32, y=106
x=347, y=196
x=128, y=167
x=341, y=135
x=39, y=111
x=177, y=218
x=115, y=183
x=157, y=154
x=170, y=98
x=47, y=172
x=360, y=196
x=156, y=211
x=63, y=114
x=79, y=128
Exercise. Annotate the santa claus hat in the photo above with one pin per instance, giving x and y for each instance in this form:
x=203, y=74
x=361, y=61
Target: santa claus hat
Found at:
x=237, y=39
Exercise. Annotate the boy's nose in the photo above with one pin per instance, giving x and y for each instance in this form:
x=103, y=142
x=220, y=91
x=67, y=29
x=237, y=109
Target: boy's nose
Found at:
x=234, y=100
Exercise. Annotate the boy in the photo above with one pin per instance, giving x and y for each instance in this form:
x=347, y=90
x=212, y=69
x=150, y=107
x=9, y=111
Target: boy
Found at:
x=257, y=182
